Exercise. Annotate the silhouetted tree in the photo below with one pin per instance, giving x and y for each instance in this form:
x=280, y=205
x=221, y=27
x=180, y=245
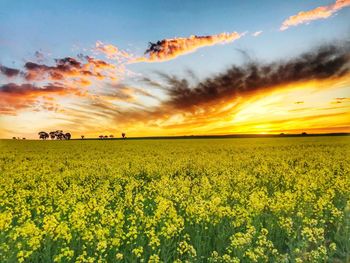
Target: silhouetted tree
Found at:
x=123, y=135
x=43, y=135
x=14, y=138
x=52, y=135
x=106, y=136
x=111, y=136
x=303, y=133
x=59, y=135
x=82, y=137
x=23, y=138
x=101, y=137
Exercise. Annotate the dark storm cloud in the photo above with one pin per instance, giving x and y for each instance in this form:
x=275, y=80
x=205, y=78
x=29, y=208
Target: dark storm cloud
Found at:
x=325, y=62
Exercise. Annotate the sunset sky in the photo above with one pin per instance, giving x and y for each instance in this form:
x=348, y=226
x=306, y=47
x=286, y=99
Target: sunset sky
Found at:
x=151, y=68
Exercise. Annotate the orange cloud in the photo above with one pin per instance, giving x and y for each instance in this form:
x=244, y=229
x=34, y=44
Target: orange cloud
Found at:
x=168, y=49
x=112, y=52
x=321, y=12
x=67, y=77
x=70, y=70
x=15, y=97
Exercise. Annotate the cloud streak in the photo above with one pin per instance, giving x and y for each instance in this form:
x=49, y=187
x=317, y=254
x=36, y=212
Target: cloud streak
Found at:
x=324, y=63
x=321, y=12
x=112, y=52
x=168, y=49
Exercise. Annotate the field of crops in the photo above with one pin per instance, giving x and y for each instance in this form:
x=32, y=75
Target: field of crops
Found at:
x=184, y=200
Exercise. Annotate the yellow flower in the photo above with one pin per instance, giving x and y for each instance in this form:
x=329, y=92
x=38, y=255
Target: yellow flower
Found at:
x=119, y=256
x=138, y=251
x=333, y=246
x=5, y=220
x=154, y=259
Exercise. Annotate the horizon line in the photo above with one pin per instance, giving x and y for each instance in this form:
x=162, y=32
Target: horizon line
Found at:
x=241, y=135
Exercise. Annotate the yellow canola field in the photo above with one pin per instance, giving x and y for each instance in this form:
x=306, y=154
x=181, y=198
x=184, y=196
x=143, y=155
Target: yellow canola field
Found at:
x=180, y=200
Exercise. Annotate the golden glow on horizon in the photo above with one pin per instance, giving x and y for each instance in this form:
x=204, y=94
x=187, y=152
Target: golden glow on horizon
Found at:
x=310, y=106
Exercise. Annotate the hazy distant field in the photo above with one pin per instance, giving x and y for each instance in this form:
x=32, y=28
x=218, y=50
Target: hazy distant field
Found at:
x=200, y=200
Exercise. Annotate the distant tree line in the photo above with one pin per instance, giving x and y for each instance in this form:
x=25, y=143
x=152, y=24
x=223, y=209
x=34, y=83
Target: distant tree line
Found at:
x=101, y=137
x=106, y=136
x=58, y=135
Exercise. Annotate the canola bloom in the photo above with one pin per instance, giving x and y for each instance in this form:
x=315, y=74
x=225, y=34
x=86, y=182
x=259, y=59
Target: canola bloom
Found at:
x=188, y=200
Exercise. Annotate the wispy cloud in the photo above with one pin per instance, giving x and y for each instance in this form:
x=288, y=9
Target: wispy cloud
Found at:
x=257, y=33
x=321, y=12
x=112, y=52
x=166, y=49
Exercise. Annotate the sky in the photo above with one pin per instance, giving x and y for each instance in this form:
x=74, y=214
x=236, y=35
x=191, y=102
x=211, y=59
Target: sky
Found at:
x=164, y=68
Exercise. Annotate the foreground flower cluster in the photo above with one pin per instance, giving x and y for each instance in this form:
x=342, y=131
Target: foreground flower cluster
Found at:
x=210, y=200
